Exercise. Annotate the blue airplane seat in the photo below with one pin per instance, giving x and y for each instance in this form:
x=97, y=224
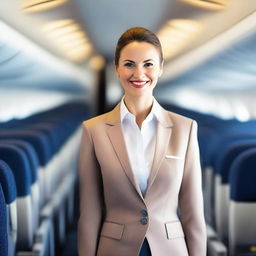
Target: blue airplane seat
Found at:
x=223, y=132
x=205, y=135
x=3, y=225
x=40, y=233
x=218, y=146
x=41, y=145
x=23, y=124
x=43, y=242
x=47, y=143
x=10, y=194
x=231, y=151
x=222, y=188
x=36, y=191
x=59, y=122
x=49, y=168
x=226, y=143
x=242, y=225
x=209, y=135
x=248, y=126
x=214, y=145
x=19, y=165
x=30, y=153
x=65, y=123
x=8, y=182
x=36, y=139
x=48, y=130
x=9, y=124
x=65, y=120
x=225, y=135
x=223, y=145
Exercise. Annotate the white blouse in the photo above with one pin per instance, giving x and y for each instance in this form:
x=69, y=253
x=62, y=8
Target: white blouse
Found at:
x=140, y=143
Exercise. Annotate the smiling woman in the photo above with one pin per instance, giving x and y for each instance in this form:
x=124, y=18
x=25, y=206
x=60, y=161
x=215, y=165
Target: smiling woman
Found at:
x=138, y=69
x=139, y=64
x=138, y=164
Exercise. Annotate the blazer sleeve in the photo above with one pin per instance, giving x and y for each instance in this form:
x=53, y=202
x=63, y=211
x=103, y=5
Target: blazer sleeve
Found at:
x=191, y=198
x=91, y=202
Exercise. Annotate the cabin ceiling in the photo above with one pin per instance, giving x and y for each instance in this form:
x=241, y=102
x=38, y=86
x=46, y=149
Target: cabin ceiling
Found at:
x=103, y=21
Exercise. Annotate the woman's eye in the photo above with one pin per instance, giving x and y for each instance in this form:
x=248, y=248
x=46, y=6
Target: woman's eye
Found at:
x=148, y=64
x=128, y=64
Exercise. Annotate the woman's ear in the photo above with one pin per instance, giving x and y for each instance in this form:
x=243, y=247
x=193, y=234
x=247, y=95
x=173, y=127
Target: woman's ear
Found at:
x=161, y=69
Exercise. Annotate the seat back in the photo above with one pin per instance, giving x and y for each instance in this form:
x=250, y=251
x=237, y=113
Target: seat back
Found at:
x=242, y=225
x=40, y=146
x=19, y=165
x=10, y=194
x=3, y=225
x=222, y=187
x=34, y=169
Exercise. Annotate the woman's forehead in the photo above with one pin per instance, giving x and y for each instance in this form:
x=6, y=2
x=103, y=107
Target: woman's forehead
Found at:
x=139, y=51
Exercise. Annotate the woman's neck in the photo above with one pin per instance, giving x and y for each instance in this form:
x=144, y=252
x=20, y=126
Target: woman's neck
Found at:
x=140, y=107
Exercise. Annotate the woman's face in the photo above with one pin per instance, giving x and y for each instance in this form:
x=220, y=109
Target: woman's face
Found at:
x=139, y=68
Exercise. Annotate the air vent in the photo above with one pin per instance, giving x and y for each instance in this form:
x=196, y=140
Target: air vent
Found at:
x=31, y=6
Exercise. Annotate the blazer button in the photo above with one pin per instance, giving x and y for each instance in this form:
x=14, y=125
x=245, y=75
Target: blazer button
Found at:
x=144, y=213
x=144, y=221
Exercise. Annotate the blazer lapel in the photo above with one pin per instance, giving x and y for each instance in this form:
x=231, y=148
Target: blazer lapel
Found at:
x=117, y=139
x=163, y=136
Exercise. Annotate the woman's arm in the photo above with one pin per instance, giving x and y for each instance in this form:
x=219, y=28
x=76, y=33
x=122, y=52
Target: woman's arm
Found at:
x=191, y=199
x=91, y=202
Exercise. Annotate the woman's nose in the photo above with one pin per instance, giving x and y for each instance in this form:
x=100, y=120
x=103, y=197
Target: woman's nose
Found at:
x=138, y=72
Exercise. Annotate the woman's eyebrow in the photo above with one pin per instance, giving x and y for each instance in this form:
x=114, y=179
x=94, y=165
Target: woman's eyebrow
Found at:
x=143, y=61
x=130, y=61
x=148, y=60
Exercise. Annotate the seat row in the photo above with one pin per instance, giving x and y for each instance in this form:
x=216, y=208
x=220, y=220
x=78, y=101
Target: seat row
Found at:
x=222, y=187
x=38, y=160
x=228, y=157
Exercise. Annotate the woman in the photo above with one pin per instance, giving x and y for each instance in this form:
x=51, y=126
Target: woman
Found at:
x=140, y=176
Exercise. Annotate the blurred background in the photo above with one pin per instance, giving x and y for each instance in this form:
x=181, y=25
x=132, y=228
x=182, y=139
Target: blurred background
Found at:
x=56, y=63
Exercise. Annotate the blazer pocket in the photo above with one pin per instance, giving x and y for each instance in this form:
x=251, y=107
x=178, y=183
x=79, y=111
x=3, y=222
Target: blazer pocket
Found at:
x=174, y=230
x=112, y=230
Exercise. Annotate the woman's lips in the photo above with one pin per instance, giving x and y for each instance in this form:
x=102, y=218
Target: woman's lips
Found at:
x=138, y=84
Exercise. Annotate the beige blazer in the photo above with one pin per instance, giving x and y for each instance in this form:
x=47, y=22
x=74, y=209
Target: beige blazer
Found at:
x=115, y=218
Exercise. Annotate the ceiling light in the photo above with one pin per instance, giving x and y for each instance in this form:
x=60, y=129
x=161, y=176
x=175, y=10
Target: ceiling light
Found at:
x=74, y=43
x=58, y=23
x=31, y=6
x=69, y=36
x=209, y=4
x=176, y=34
x=63, y=30
x=97, y=62
x=79, y=53
x=79, y=35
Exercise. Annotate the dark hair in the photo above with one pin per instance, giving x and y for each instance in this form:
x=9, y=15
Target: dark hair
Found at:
x=137, y=34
